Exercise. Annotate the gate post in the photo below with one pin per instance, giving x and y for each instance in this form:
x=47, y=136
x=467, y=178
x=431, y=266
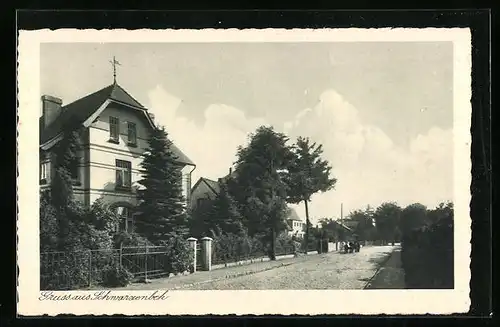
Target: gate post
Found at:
x=192, y=243
x=206, y=253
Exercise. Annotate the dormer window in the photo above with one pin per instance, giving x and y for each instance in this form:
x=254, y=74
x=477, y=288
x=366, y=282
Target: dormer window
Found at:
x=114, y=129
x=132, y=134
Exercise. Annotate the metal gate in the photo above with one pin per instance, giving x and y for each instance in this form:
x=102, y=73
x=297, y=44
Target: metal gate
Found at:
x=145, y=262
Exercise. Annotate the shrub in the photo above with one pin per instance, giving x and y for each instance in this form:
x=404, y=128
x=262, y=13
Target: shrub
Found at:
x=48, y=224
x=64, y=270
x=284, y=244
x=74, y=265
x=427, y=252
x=124, y=238
x=225, y=248
x=179, y=254
x=229, y=247
x=102, y=217
x=116, y=276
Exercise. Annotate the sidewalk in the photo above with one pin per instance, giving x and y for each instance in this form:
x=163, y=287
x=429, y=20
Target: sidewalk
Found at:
x=201, y=277
x=390, y=275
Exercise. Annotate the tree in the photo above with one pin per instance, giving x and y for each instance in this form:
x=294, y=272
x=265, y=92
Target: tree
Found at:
x=442, y=211
x=307, y=175
x=65, y=161
x=412, y=217
x=258, y=186
x=200, y=218
x=48, y=224
x=224, y=213
x=364, y=227
x=162, y=213
x=387, y=218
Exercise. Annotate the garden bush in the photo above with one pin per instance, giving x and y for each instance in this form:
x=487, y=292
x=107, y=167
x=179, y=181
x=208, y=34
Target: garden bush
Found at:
x=284, y=244
x=228, y=247
x=179, y=254
x=124, y=238
x=76, y=257
x=64, y=270
x=48, y=224
x=427, y=254
x=116, y=276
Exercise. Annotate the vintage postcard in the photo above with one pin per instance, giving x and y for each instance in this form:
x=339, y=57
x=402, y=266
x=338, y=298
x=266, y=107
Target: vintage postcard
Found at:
x=247, y=172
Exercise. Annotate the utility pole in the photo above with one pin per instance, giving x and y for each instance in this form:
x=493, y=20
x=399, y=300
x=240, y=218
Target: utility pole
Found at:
x=341, y=213
x=342, y=220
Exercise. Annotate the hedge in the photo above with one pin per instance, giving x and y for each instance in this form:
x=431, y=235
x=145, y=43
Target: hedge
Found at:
x=427, y=256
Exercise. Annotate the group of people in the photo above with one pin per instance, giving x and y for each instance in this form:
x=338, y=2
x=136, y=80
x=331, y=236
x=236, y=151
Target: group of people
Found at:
x=350, y=247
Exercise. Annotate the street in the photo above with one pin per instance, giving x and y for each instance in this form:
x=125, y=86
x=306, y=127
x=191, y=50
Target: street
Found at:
x=324, y=271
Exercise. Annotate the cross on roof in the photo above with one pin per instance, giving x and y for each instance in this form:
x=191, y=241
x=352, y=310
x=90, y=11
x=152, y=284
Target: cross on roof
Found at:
x=114, y=62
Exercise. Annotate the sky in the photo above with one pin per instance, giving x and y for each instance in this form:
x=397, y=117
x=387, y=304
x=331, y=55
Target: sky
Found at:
x=382, y=111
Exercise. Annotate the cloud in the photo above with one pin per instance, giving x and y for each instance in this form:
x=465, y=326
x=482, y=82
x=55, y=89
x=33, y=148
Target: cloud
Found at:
x=369, y=167
x=213, y=145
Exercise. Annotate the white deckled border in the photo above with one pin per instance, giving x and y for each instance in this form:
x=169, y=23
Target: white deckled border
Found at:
x=241, y=302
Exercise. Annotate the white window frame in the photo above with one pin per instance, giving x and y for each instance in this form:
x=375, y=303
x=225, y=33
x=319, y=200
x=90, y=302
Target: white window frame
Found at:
x=123, y=169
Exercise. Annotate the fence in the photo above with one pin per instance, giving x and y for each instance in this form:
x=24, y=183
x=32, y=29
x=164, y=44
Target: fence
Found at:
x=82, y=269
x=145, y=262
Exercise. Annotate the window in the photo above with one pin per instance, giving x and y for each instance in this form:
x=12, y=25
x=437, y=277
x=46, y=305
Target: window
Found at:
x=114, y=129
x=44, y=172
x=123, y=174
x=132, y=133
x=126, y=219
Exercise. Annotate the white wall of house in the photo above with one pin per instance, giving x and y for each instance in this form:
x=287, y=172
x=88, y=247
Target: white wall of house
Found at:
x=297, y=228
x=102, y=155
x=97, y=169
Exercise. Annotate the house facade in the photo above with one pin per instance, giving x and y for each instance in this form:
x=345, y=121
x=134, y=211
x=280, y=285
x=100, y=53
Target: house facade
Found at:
x=206, y=190
x=296, y=226
x=114, y=135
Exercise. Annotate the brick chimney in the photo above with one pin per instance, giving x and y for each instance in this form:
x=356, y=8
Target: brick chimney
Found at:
x=51, y=109
x=230, y=170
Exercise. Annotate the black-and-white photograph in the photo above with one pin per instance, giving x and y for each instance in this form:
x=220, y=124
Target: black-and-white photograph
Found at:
x=243, y=166
x=286, y=166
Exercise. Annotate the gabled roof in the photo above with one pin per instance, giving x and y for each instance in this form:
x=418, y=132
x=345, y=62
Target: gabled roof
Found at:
x=293, y=215
x=343, y=226
x=212, y=185
x=351, y=223
x=79, y=111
